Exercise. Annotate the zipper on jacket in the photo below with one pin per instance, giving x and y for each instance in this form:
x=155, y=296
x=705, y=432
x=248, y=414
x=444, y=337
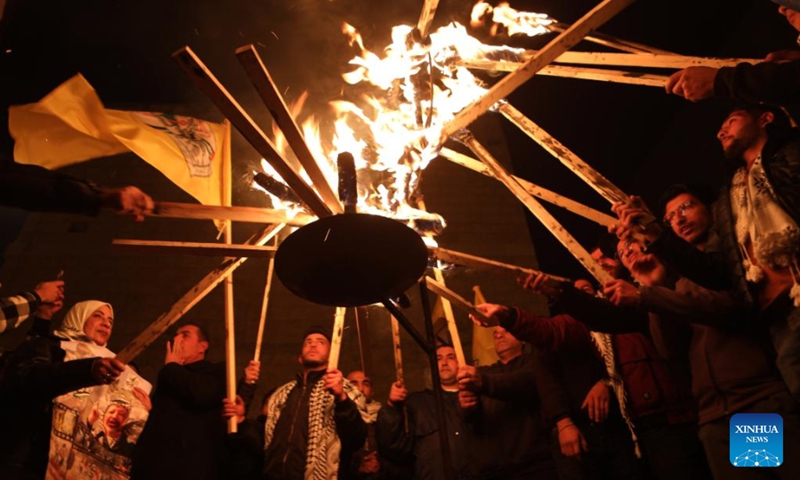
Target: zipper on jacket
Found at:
x=294, y=422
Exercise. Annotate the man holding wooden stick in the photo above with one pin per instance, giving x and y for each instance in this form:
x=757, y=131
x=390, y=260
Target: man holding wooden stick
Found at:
x=314, y=423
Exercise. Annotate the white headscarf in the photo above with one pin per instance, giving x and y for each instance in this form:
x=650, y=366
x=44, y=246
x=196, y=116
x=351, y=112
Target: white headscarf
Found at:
x=72, y=326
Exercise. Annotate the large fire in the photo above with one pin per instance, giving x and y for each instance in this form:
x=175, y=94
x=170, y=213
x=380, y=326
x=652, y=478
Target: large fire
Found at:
x=417, y=86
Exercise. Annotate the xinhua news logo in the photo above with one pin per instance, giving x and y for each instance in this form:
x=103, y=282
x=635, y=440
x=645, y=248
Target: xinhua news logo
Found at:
x=756, y=440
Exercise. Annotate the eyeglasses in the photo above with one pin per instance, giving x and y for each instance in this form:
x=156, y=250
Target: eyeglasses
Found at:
x=680, y=211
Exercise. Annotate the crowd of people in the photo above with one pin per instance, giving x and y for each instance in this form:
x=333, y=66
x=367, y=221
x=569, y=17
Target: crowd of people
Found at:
x=637, y=378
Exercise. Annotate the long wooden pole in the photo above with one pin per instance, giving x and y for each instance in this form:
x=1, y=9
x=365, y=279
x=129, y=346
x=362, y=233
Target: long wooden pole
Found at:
x=441, y=289
x=538, y=210
x=563, y=42
x=580, y=73
x=336, y=338
x=647, y=60
x=592, y=177
x=155, y=247
x=262, y=319
x=613, y=42
x=535, y=190
x=230, y=326
x=268, y=91
x=398, y=352
x=480, y=263
x=190, y=298
x=235, y=213
x=455, y=337
x=216, y=92
x=426, y=17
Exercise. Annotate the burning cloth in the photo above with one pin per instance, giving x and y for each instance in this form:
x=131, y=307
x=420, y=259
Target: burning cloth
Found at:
x=95, y=428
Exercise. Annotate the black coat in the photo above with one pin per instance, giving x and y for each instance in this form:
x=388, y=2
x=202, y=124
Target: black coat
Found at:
x=34, y=375
x=185, y=434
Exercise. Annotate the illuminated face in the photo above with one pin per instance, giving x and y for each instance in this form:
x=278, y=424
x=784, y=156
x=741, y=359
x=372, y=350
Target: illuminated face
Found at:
x=114, y=419
x=193, y=346
x=448, y=365
x=688, y=217
x=631, y=255
x=97, y=327
x=610, y=265
x=739, y=132
x=361, y=382
x=585, y=285
x=505, y=343
x=315, y=351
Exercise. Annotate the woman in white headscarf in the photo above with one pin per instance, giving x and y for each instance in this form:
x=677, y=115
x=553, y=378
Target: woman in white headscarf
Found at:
x=43, y=368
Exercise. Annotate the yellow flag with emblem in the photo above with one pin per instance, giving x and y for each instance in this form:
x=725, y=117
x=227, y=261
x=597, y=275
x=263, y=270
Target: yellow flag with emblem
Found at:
x=71, y=125
x=483, y=351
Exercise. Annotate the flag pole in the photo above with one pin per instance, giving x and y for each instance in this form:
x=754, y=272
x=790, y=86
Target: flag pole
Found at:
x=264, y=304
x=230, y=341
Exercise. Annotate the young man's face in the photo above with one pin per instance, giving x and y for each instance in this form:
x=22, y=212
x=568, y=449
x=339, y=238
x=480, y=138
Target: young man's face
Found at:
x=739, y=132
x=610, y=265
x=315, y=351
x=193, y=347
x=688, y=217
x=448, y=365
x=361, y=382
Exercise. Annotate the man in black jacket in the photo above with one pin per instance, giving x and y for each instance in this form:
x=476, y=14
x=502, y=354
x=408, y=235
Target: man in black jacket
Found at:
x=503, y=411
x=314, y=422
x=185, y=434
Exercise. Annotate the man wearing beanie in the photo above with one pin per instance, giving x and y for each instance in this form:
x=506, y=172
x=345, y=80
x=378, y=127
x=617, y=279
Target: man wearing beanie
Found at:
x=314, y=420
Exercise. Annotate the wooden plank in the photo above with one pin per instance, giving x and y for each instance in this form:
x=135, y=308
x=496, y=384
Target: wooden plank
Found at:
x=234, y=213
x=229, y=107
x=458, y=301
x=190, y=298
x=535, y=190
x=600, y=14
x=426, y=17
x=580, y=73
x=455, y=337
x=264, y=304
x=158, y=247
x=230, y=325
x=398, y=351
x=480, y=263
x=648, y=60
x=268, y=91
x=336, y=337
x=563, y=236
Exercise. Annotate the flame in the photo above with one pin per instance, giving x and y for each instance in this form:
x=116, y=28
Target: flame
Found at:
x=393, y=128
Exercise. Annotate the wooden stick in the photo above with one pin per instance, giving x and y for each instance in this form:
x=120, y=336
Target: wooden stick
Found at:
x=268, y=91
x=648, y=60
x=596, y=74
x=539, y=211
x=480, y=263
x=426, y=17
x=154, y=247
x=458, y=301
x=264, y=303
x=535, y=190
x=230, y=327
x=613, y=42
x=217, y=93
x=190, y=298
x=235, y=213
x=455, y=337
x=398, y=352
x=563, y=42
x=336, y=338
x=597, y=181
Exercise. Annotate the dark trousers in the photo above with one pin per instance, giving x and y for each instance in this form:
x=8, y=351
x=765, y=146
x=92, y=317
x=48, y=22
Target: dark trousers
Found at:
x=671, y=452
x=610, y=454
x=716, y=442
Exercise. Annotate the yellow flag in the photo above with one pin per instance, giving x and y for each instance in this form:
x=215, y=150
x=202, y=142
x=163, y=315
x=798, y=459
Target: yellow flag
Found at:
x=70, y=125
x=483, y=351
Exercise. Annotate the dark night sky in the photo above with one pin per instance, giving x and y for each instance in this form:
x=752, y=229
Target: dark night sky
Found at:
x=638, y=137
